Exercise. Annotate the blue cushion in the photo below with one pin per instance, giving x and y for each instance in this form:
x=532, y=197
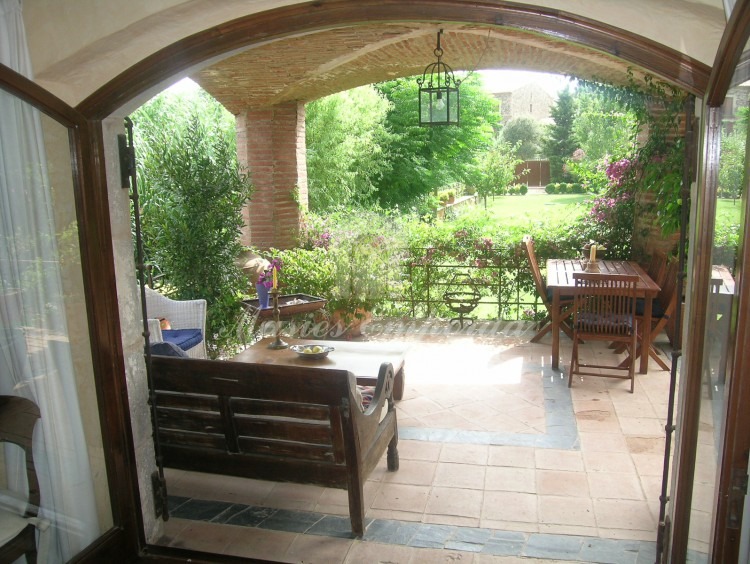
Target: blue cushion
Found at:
x=168, y=349
x=562, y=298
x=617, y=323
x=657, y=310
x=186, y=339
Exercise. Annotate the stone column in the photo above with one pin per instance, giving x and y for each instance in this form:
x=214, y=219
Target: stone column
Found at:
x=271, y=144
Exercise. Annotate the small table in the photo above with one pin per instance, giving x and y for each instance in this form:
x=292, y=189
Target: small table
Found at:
x=560, y=282
x=363, y=359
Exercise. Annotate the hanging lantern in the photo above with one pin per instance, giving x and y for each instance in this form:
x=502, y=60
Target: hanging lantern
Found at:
x=438, y=92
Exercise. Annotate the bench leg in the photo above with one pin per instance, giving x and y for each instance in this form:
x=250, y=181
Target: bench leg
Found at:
x=398, y=385
x=357, y=507
x=392, y=456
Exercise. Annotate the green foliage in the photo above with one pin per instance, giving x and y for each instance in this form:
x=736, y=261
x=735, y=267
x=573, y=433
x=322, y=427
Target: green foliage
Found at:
x=732, y=163
x=558, y=143
x=347, y=259
x=564, y=188
x=191, y=196
x=347, y=147
x=351, y=259
x=657, y=108
x=495, y=170
x=525, y=134
x=424, y=159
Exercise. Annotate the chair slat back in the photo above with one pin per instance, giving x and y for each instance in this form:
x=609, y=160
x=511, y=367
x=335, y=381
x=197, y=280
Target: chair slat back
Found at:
x=541, y=288
x=604, y=305
x=668, y=295
x=657, y=267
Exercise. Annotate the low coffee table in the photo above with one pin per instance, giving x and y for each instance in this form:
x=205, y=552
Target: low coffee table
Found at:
x=363, y=359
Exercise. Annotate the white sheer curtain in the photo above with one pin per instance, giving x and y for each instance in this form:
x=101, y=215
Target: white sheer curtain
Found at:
x=35, y=356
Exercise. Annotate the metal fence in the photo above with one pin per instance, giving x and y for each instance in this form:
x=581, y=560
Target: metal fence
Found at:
x=504, y=286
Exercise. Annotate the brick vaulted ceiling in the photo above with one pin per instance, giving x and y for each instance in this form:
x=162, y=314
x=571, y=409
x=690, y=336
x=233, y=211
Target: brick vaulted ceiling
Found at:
x=309, y=66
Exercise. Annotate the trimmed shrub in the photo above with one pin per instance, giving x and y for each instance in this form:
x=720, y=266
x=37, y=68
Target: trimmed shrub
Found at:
x=550, y=188
x=523, y=189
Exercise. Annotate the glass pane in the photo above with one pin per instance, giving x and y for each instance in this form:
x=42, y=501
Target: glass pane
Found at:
x=45, y=353
x=718, y=348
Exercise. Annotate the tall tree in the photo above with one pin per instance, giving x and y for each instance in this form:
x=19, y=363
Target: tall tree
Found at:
x=191, y=196
x=559, y=142
x=496, y=169
x=524, y=133
x=347, y=147
x=424, y=159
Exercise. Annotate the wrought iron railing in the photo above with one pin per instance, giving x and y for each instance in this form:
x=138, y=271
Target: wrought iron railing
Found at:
x=504, y=283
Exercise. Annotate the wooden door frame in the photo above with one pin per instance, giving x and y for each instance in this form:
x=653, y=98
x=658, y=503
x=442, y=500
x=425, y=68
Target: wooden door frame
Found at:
x=736, y=436
x=97, y=267
x=126, y=539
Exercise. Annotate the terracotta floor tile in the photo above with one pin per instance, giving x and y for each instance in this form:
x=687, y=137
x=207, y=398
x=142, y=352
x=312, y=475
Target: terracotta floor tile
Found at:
x=645, y=445
x=623, y=514
x=501, y=455
x=555, y=459
x=261, y=544
x=314, y=549
x=649, y=464
x=469, y=476
x=464, y=453
x=510, y=506
x=608, y=462
x=508, y=478
x=642, y=426
x=419, y=450
x=560, y=510
x=562, y=483
x=375, y=513
x=459, y=502
x=375, y=552
x=452, y=520
x=415, y=472
x=417, y=407
x=611, y=485
x=294, y=496
x=402, y=497
x=448, y=420
x=438, y=556
x=603, y=442
x=207, y=537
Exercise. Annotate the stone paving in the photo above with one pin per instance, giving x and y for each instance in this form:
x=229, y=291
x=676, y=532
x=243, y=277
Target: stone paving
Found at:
x=500, y=461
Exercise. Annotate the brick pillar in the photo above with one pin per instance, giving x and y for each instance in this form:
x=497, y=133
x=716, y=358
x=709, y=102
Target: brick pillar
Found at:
x=647, y=236
x=271, y=144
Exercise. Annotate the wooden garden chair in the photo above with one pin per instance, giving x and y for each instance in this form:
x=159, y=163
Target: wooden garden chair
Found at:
x=545, y=295
x=604, y=310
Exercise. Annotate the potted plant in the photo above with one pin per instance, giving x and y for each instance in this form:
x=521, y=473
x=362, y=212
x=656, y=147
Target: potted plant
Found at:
x=362, y=271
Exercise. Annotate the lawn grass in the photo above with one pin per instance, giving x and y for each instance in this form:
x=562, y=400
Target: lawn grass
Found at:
x=566, y=208
x=728, y=211
x=535, y=208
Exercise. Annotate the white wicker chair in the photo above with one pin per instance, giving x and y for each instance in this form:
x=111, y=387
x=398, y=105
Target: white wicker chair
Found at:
x=182, y=314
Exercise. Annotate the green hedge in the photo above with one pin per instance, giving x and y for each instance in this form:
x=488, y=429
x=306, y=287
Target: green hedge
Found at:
x=564, y=188
x=403, y=255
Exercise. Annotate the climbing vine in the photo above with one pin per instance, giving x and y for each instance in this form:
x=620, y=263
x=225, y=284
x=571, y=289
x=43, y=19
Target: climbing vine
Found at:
x=656, y=166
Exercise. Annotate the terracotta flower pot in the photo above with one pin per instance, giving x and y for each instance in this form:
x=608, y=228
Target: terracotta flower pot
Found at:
x=347, y=325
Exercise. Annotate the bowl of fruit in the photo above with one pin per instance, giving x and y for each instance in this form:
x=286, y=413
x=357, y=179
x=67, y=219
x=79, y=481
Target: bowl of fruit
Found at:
x=312, y=351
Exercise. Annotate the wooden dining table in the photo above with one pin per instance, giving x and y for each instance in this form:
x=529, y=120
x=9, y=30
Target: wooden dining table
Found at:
x=362, y=359
x=560, y=282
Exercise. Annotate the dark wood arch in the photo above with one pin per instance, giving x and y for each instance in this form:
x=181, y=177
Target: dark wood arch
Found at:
x=667, y=63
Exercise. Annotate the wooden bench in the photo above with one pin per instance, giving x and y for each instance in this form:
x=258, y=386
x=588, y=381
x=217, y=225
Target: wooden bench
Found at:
x=278, y=423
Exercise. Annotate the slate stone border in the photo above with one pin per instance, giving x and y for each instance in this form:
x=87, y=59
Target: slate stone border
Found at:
x=419, y=535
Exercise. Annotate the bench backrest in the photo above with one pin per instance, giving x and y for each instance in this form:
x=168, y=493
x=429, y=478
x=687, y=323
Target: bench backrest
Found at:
x=262, y=421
